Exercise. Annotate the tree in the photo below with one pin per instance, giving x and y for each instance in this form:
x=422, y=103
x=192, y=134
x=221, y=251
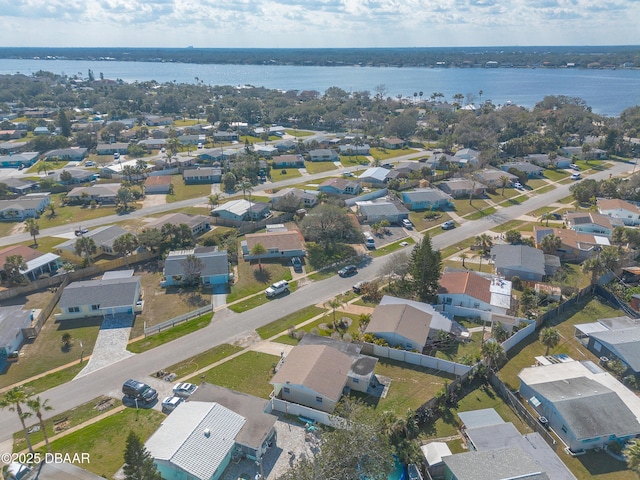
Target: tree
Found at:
x=33, y=228
x=550, y=244
x=65, y=124
x=138, y=462
x=37, y=406
x=42, y=167
x=125, y=245
x=14, y=265
x=124, y=197
x=66, y=340
x=504, y=181
x=463, y=257
x=545, y=217
x=425, y=266
x=549, y=337
x=85, y=246
x=214, y=200
x=632, y=454
x=257, y=251
x=66, y=177
x=192, y=268
x=13, y=400
x=513, y=237
x=52, y=209
x=492, y=353
x=330, y=225
x=229, y=181
x=485, y=243
x=334, y=303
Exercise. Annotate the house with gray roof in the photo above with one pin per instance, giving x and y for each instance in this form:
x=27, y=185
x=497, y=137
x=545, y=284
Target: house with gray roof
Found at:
x=78, y=175
x=17, y=160
x=19, y=209
x=339, y=186
x=373, y=211
x=323, y=155
x=499, y=464
x=242, y=210
x=111, y=148
x=74, y=154
x=288, y=161
x=100, y=298
x=531, y=170
x=615, y=338
x=214, y=266
x=591, y=222
x=585, y=406
x=197, y=223
x=467, y=155
x=13, y=321
x=351, y=149
x=197, y=441
x=426, y=198
x=522, y=261
x=492, y=177
x=103, y=237
x=294, y=198
x=100, y=193
x=592, y=154
x=462, y=187
x=543, y=160
x=20, y=186
x=202, y=175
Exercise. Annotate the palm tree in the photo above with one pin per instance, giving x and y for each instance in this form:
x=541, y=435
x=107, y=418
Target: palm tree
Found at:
x=334, y=304
x=37, y=406
x=257, y=251
x=632, y=454
x=33, y=228
x=480, y=255
x=214, y=200
x=13, y=400
x=493, y=353
x=85, y=246
x=52, y=209
x=484, y=242
x=549, y=337
x=504, y=181
x=546, y=216
x=463, y=257
x=550, y=244
x=42, y=167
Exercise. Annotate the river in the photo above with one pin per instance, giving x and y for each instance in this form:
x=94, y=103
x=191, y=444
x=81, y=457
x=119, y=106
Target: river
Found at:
x=608, y=92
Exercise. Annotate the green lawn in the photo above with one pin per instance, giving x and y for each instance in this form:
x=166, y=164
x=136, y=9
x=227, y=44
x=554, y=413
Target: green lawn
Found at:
x=537, y=183
x=253, y=280
x=54, y=379
x=556, y=175
x=353, y=160
x=510, y=225
x=456, y=248
x=318, y=167
x=546, y=189
x=392, y=247
x=287, y=321
x=185, y=192
x=105, y=440
x=277, y=175
x=482, y=213
x=462, y=206
x=298, y=133
x=249, y=373
x=421, y=223
x=385, y=154
x=50, y=164
x=257, y=300
x=211, y=356
x=165, y=336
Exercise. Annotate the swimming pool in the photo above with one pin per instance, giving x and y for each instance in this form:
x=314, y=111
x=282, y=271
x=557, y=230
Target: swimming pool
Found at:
x=398, y=471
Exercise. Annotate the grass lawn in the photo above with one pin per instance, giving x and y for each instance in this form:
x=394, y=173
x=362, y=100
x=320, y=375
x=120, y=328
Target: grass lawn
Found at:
x=546, y=189
x=462, y=349
x=420, y=223
x=54, y=379
x=568, y=200
x=456, y=248
x=76, y=416
x=257, y=300
x=287, y=321
x=541, y=211
x=251, y=280
x=411, y=386
x=521, y=356
x=165, y=336
x=588, y=164
x=463, y=208
x=50, y=164
x=47, y=351
x=185, y=192
x=472, y=264
x=161, y=304
x=249, y=373
x=537, y=183
x=392, y=247
x=318, y=167
x=298, y=133
x=193, y=364
x=105, y=440
x=72, y=214
x=510, y=225
x=385, y=154
x=277, y=175
x=353, y=160
x=556, y=175
x=482, y=213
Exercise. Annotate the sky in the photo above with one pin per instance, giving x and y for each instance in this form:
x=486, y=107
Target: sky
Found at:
x=317, y=23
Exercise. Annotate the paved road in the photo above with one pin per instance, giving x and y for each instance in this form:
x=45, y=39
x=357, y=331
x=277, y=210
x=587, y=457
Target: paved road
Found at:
x=143, y=212
x=227, y=328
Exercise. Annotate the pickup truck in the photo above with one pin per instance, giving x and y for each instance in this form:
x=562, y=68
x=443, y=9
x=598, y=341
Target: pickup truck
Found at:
x=277, y=288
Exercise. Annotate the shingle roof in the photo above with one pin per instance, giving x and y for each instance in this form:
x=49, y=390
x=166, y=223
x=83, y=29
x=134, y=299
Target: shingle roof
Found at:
x=425, y=194
x=202, y=172
x=616, y=203
x=498, y=464
x=625, y=342
x=178, y=219
x=320, y=368
x=518, y=256
x=466, y=283
x=101, y=190
x=214, y=262
x=283, y=241
x=403, y=320
x=158, y=180
x=25, y=252
x=583, y=403
x=196, y=437
x=386, y=208
x=115, y=292
x=581, y=218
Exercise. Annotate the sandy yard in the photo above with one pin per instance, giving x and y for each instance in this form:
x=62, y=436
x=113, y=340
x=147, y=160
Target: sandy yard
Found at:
x=153, y=200
x=17, y=228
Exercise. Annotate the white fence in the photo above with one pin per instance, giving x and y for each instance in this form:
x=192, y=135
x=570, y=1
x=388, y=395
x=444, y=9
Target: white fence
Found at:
x=517, y=337
x=288, y=408
x=350, y=202
x=176, y=320
x=414, y=358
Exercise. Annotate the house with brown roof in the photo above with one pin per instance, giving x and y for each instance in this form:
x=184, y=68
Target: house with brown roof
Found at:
x=574, y=246
x=627, y=212
x=160, y=184
x=197, y=223
x=393, y=143
x=471, y=290
x=288, y=161
x=462, y=187
x=37, y=263
x=101, y=193
x=339, y=186
x=591, y=222
x=319, y=370
x=277, y=245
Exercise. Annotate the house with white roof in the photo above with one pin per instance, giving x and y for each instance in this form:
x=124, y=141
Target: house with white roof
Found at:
x=13, y=321
x=585, y=406
x=376, y=176
x=373, y=211
x=627, y=212
x=19, y=209
x=196, y=442
x=242, y=210
x=351, y=149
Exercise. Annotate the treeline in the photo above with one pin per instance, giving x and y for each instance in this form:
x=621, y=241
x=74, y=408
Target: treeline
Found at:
x=581, y=57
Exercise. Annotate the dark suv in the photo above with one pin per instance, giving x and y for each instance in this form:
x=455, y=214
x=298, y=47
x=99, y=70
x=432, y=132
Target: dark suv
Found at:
x=140, y=391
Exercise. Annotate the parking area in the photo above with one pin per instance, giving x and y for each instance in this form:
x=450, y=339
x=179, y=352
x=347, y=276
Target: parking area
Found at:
x=390, y=235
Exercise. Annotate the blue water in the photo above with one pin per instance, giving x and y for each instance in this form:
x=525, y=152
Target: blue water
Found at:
x=398, y=473
x=608, y=92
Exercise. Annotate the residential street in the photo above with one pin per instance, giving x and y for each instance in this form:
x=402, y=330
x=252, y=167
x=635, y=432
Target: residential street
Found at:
x=226, y=328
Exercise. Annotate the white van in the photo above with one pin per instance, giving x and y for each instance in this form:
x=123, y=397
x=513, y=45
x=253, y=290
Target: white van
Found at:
x=369, y=241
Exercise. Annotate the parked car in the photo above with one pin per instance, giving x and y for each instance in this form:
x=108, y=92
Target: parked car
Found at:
x=81, y=231
x=357, y=288
x=406, y=223
x=348, y=271
x=575, y=176
x=184, y=389
x=277, y=288
x=139, y=391
x=169, y=404
x=573, y=166
x=89, y=164
x=517, y=185
x=297, y=264
x=448, y=225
